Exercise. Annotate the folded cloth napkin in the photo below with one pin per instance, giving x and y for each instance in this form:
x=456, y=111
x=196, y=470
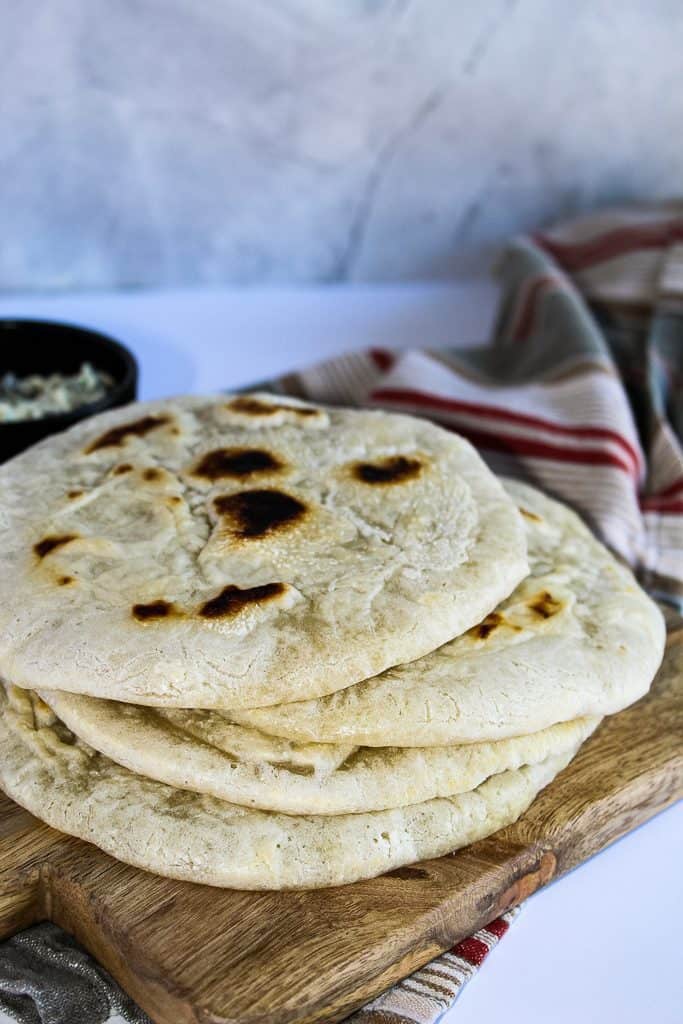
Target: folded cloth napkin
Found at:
x=47, y=978
x=579, y=392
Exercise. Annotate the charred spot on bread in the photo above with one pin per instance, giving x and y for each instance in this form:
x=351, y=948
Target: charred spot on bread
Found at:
x=259, y=407
x=116, y=437
x=231, y=600
x=395, y=469
x=151, y=610
x=483, y=629
x=224, y=463
x=544, y=604
x=48, y=544
x=257, y=513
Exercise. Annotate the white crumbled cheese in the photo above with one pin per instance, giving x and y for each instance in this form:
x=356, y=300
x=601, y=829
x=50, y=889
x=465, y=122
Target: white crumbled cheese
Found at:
x=30, y=398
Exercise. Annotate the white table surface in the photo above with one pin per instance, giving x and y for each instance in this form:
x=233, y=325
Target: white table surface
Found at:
x=603, y=944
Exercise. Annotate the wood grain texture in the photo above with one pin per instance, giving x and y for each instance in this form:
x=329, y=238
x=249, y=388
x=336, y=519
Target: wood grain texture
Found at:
x=190, y=954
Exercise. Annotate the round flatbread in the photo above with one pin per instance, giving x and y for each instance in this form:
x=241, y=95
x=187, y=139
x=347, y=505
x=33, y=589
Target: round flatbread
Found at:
x=200, y=839
x=244, y=550
x=204, y=752
x=577, y=637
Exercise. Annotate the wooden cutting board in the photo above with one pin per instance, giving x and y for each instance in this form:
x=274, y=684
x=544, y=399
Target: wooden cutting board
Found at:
x=189, y=953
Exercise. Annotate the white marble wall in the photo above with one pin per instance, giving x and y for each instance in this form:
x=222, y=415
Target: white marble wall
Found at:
x=209, y=141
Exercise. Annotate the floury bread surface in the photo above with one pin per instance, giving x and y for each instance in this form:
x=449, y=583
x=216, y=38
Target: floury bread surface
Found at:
x=237, y=551
x=577, y=637
x=200, y=839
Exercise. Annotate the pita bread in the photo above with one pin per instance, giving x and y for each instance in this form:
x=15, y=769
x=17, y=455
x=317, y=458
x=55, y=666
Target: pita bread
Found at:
x=577, y=637
x=245, y=550
x=203, y=752
x=200, y=839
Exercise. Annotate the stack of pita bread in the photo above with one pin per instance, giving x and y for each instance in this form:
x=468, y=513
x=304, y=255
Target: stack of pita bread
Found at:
x=261, y=644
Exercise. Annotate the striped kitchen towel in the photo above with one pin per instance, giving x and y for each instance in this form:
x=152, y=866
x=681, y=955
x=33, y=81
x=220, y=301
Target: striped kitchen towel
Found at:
x=426, y=995
x=579, y=392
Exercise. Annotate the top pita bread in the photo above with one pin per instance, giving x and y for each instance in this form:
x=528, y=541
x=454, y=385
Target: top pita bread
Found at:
x=239, y=551
x=577, y=637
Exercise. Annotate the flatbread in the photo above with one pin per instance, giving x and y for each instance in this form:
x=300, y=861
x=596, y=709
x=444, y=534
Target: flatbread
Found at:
x=200, y=839
x=203, y=752
x=245, y=550
x=577, y=637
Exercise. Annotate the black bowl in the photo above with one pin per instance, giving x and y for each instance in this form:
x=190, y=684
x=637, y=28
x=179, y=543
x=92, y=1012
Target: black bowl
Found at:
x=44, y=347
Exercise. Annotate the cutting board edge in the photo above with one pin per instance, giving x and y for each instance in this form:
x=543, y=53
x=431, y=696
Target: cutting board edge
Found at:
x=53, y=897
